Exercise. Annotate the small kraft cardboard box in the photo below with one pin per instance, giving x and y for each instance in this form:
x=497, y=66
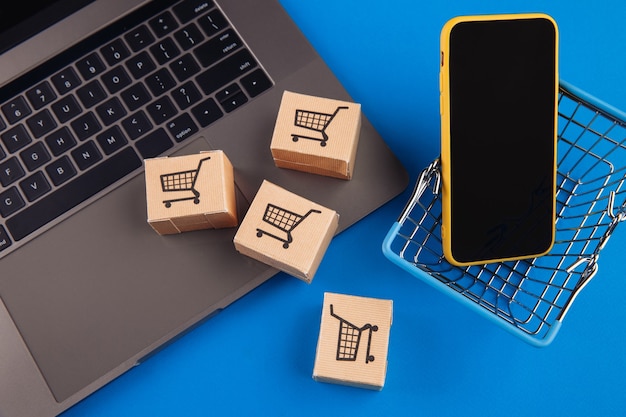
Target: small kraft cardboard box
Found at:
x=286, y=231
x=190, y=192
x=317, y=135
x=353, y=341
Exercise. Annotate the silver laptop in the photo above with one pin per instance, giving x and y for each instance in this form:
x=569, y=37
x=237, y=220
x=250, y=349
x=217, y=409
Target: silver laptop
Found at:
x=88, y=90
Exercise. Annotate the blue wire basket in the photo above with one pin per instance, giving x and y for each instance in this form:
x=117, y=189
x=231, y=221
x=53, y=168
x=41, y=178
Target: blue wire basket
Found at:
x=531, y=297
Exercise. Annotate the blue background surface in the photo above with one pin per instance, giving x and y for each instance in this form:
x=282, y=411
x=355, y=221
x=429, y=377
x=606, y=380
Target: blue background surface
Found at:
x=256, y=358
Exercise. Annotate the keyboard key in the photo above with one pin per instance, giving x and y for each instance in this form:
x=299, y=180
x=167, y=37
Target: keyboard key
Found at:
x=16, y=109
x=115, y=52
x=140, y=65
x=163, y=24
x=61, y=170
x=160, y=82
x=91, y=94
x=65, y=80
x=41, y=123
x=161, y=110
x=16, y=138
x=86, y=126
x=189, y=36
x=73, y=193
x=217, y=48
x=111, y=111
x=136, y=125
x=41, y=95
x=186, y=95
x=116, y=79
x=213, y=22
x=139, y=38
x=231, y=97
x=182, y=127
x=10, y=171
x=164, y=50
x=154, y=144
x=10, y=202
x=226, y=93
x=256, y=82
x=90, y=66
x=5, y=241
x=233, y=102
x=226, y=71
x=207, y=112
x=111, y=140
x=190, y=9
x=136, y=96
x=86, y=155
x=67, y=108
x=184, y=67
x=35, y=156
x=35, y=186
x=60, y=141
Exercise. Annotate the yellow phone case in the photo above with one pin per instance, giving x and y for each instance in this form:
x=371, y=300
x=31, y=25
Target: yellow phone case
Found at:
x=444, y=86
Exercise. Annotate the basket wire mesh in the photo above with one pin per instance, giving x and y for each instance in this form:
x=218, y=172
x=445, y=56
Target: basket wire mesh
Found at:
x=531, y=297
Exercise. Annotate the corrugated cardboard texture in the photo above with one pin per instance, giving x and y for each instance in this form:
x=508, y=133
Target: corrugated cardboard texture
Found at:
x=345, y=353
x=175, y=184
x=316, y=135
x=286, y=231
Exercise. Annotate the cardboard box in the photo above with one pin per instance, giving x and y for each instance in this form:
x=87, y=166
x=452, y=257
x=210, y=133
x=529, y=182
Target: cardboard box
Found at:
x=190, y=192
x=353, y=341
x=316, y=135
x=286, y=231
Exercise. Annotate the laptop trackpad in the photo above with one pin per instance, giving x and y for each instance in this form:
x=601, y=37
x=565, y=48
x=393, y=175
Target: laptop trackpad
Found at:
x=149, y=287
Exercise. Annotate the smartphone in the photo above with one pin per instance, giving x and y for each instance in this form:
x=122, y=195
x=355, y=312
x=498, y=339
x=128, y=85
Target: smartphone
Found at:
x=499, y=89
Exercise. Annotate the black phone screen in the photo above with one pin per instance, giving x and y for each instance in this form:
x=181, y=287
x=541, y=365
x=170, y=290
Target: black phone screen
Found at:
x=502, y=92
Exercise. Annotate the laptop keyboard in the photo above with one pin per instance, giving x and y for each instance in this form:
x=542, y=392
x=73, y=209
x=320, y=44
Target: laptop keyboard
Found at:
x=134, y=90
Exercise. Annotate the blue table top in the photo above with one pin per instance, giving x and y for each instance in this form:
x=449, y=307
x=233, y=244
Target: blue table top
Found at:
x=257, y=357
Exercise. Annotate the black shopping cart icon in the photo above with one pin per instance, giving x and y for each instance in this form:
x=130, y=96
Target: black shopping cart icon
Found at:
x=182, y=181
x=350, y=337
x=284, y=220
x=314, y=121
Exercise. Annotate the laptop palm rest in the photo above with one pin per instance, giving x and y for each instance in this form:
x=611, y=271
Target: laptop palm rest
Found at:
x=61, y=319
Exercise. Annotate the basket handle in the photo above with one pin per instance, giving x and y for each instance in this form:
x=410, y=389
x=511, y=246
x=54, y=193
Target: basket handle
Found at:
x=428, y=174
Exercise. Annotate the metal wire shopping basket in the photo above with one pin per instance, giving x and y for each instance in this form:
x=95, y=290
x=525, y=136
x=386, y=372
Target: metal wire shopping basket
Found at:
x=531, y=297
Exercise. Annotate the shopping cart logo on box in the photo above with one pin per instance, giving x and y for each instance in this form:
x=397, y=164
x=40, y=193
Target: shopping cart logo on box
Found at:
x=349, y=338
x=314, y=121
x=182, y=181
x=284, y=220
